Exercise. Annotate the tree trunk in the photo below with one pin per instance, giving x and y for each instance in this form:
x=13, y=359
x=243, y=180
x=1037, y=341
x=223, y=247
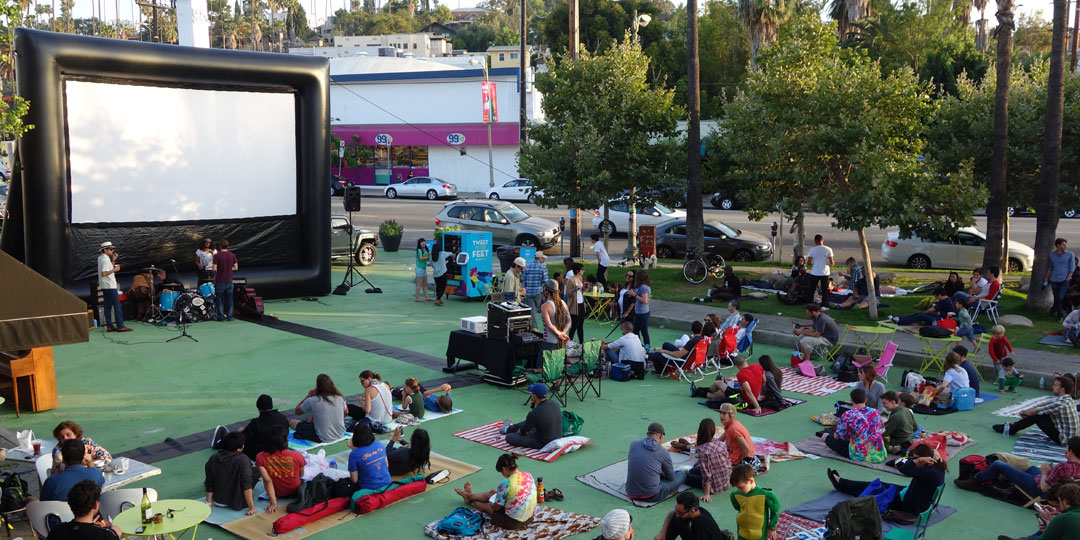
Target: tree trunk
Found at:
x=695, y=219
x=800, y=235
x=1046, y=205
x=868, y=275
x=996, y=207
x=1075, y=38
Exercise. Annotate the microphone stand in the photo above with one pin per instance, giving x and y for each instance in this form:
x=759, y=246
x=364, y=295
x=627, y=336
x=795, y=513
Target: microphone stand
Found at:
x=183, y=323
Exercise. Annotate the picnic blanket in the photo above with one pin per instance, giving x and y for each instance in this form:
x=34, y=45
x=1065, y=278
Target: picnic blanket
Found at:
x=301, y=444
x=818, y=508
x=548, y=523
x=792, y=527
x=489, y=434
x=765, y=411
x=428, y=416
x=1035, y=445
x=612, y=479
x=1013, y=411
x=793, y=381
x=1055, y=341
x=778, y=452
x=986, y=397
x=817, y=447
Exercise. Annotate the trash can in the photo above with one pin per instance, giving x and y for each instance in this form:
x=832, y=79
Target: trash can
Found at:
x=506, y=255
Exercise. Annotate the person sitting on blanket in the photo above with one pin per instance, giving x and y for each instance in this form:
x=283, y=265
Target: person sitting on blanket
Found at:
x=257, y=437
x=926, y=469
x=84, y=499
x=939, y=310
x=901, y=425
x=627, y=350
x=1071, y=324
x=758, y=508
x=416, y=401
x=617, y=525
x=953, y=378
x=512, y=504
x=874, y=388
x=650, y=476
x=740, y=446
x=1057, y=418
x=1035, y=480
x=801, y=289
x=376, y=407
x=1008, y=376
x=713, y=467
x=729, y=290
x=368, y=468
x=410, y=458
x=1060, y=517
x=542, y=425
x=326, y=407
x=279, y=467
x=966, y=365
x=228, y=478
x=697, y=329
x=821, y=332
x=751, y=379
x=689, y=521
x=858, y=433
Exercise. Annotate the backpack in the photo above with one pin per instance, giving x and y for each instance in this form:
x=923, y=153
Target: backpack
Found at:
x=934, y=332
x=12, y=493
x=461, y=522
x=852, y=518
x=912, y=381
x=342, y=487
x=312, y=492
x=972, y=465
x=571, y=423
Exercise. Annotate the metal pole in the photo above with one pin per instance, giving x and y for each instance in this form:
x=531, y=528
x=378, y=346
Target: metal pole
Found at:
x=522, y=76
x=491, y=118
x=631, y=233
x=575, y=218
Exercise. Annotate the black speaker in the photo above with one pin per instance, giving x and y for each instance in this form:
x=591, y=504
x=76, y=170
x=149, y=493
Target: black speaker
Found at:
x=353, y=195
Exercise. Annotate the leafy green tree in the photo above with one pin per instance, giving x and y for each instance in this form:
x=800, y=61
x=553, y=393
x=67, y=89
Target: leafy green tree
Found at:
x=1032, y=37
x=603, y=121
x=822, y=124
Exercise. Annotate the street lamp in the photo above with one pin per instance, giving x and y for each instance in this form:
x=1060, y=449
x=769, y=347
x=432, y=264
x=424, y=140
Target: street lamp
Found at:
x=490, y=117
x=631, y=235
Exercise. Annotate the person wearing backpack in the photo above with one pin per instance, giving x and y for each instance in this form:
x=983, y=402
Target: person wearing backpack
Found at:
x=514, y=501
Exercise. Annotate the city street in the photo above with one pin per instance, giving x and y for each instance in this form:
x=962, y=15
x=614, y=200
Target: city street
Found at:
x=418, y=218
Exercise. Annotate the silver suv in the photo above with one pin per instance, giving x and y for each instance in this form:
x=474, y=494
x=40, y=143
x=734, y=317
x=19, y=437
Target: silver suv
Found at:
x=364, y=249
x=508, y=224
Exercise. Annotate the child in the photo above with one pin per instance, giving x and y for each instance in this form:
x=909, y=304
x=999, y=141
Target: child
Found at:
x=416, y=401
x=1008, y=375
x=758, y=508
x=999, y=344
x=964, y=323
x=901, y=425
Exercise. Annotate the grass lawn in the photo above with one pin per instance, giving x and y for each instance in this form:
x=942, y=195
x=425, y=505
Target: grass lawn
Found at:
x=669, y=284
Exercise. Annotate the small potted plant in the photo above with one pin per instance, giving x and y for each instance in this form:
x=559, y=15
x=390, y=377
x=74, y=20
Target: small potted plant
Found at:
x=390, y=235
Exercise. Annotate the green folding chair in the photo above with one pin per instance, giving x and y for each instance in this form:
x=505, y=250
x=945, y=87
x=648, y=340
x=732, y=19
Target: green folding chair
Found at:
x=921, y=524
x=553, y=374
x=588, y=373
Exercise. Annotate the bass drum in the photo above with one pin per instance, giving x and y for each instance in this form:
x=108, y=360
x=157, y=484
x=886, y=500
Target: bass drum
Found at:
x=191, y=306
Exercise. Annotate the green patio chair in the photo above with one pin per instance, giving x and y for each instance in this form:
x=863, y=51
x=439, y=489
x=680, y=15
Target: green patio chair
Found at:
x=587, y=374
x=921, y=524
x=553, y=374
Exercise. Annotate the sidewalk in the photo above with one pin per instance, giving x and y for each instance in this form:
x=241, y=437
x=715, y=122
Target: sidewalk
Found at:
x=776, y=330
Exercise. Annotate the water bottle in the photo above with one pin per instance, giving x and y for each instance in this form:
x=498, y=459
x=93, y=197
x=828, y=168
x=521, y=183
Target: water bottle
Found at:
x=1042, y=383
x=1005, y=431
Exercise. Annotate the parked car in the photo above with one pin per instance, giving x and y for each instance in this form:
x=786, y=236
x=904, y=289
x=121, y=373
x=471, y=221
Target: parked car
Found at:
x=720, y=238
x=337, y=185
x=364, y=250
x=514, y=190
x=508, y=224
x=1017, y=211
x=422, y=186
x=619, y=216
x=725, y=202
x=963, y=250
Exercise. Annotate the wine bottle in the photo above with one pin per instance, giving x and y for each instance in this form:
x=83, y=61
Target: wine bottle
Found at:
x=145, y=511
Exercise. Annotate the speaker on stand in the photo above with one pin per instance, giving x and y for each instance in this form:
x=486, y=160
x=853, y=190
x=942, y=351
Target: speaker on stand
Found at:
x=352, y=199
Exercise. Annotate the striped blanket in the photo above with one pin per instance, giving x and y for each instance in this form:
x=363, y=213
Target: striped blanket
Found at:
x=1036, y=446
x=489, y=434
x=1013, y=411
x=814, y=386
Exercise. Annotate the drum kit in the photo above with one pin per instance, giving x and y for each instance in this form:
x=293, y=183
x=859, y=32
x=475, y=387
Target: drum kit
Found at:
x=191, y=305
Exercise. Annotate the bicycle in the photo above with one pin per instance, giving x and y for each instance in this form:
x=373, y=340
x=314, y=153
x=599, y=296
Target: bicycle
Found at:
x=698, y=267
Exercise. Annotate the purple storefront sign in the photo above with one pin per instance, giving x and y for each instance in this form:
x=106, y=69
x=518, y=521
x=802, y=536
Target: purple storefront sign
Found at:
x=502, y=134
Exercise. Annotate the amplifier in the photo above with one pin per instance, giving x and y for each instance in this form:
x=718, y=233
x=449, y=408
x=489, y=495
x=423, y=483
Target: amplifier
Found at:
x=507, y=318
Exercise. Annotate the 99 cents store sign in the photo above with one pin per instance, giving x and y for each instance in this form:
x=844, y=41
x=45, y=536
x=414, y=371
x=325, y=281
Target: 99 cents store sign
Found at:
x=491, y=102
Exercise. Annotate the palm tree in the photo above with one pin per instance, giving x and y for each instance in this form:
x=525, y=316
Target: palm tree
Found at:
x=980, y=26
x=848, y=12
x=996, y=213
x=763, y=19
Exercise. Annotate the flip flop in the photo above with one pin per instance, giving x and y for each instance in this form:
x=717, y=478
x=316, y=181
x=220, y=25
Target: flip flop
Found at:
x=553, y=495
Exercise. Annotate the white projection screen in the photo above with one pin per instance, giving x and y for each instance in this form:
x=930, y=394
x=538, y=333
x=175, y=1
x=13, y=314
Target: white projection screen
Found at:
x=160, y=154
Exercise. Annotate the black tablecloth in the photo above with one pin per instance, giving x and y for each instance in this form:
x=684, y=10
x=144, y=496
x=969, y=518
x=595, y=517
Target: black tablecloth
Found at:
x=498, y=357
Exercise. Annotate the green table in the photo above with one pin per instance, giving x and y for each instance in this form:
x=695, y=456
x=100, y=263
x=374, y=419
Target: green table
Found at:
x=933, y=357
x=187, y=514
x=873, y=338
x=598, y=304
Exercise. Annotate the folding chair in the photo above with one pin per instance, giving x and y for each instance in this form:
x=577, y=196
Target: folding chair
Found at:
x=828, y=353
x=989, y=307
x=553, y=374
x=884, y=362
x=921, y=524
x=715, y=357
x=746, y=344
x=588, y=373
x=688, y=365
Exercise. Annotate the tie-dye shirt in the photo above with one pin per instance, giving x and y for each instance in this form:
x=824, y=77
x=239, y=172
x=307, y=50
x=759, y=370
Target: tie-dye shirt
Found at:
x=517, y=496
x=862, y=429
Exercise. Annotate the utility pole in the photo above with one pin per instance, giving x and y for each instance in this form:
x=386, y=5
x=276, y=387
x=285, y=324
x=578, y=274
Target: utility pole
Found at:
x=695, y=219
x=522, y=75
x=1075, y=37
x=155, y=34
x=575, y=218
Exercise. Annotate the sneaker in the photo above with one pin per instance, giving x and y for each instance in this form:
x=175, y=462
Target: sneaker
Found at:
x=1000, y=428
x=123, y=329
x=693, y=389
x=894, y=319
x=505, y=426
x=824, y=308
x=219, y=433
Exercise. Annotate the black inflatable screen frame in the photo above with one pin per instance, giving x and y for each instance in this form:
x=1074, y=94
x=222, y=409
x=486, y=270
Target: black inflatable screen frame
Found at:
x=280, y=256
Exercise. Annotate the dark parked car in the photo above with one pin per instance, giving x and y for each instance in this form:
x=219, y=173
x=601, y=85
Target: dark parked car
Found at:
x=725, y=202
x=337, y=185
x=721, y=238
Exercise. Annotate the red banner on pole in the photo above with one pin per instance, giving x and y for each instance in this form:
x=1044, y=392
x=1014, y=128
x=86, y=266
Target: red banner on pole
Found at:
x=490, y=102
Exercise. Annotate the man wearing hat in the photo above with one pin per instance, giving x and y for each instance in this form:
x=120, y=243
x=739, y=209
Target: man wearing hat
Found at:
x=257, y=432
x=534, y=276
x=107, y=269
x=650, y=476
x=513, y=287
x=616, y=526
x=542, y=425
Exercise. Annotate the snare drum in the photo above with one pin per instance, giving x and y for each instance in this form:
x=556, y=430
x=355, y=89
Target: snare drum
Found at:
x=168, y=299
x=206, y=289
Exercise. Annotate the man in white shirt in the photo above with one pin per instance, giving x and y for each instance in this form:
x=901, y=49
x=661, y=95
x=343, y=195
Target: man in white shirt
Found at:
x=820, y=258
x=627, y=350
x=107, y=270
x=602, y=259
x=979, y=286
x=733, y=317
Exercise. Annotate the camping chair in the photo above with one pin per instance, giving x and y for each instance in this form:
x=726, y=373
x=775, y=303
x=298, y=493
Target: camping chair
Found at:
x=989, y=307
x=827, y=353
x=493, y=289
x=884, y=362
x=689, y=365
x=715, y=359
x=553, y=374
x=746, y=344
x=588, y=373
x=921, y=524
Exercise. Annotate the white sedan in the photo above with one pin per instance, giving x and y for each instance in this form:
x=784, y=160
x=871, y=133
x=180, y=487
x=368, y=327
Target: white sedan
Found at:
x=428, y=187
x=514, y=190
x=963, y=250
x=619, y=216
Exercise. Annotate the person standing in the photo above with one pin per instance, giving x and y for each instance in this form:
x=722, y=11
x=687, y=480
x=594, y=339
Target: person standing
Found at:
x=534, y=276
x=575, y=299
x=602, y=259
x=204, y=260
x=643, y=290
x=556, y=319
x=107, y=269
x=422, y=258
x=1058, y=275
x=438, y=271
x=820, y=258
x=224, y=266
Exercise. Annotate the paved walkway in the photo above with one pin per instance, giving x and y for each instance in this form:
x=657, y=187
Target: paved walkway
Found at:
x=776, y=330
